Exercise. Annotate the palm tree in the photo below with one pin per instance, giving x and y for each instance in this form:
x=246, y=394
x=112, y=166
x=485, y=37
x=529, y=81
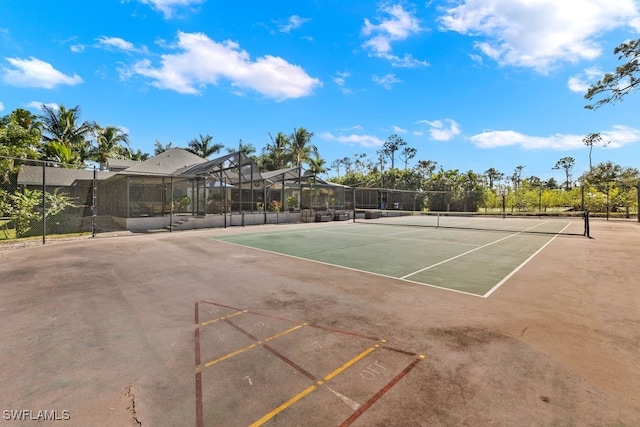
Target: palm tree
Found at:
x=61, y=125
x=300, y=146
x=62, y=154
x=247, y=149
x=202, y=146
x=317, y=165
x=111, y=142
x=161, y=148
x=276, y=154
x=137, y=155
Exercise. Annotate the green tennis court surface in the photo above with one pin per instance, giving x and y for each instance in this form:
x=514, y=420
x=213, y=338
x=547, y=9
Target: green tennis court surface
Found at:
x=472, y=261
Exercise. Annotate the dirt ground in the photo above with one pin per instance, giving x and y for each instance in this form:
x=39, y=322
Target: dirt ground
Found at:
x=101, y=331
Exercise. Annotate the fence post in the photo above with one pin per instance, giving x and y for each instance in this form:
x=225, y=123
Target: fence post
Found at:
x=94, y=204
x=354, y=204
x=171, y=206
x=44, y=203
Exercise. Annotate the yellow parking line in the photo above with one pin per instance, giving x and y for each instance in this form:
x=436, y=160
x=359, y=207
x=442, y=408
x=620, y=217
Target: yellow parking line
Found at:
x=278, y=335
x=208, y=322
x=311, y=388
x=284, y=406
x=230, y=355
x=352, y=361
x=249, y=347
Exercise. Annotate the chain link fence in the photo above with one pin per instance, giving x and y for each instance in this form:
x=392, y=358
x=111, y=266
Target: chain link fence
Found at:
x=41, y=199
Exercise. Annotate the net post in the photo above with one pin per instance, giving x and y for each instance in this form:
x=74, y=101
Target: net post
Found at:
x=438, y=220
x=587, y=232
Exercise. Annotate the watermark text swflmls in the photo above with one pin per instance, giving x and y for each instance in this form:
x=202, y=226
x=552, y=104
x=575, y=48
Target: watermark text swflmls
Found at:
x=40, y=415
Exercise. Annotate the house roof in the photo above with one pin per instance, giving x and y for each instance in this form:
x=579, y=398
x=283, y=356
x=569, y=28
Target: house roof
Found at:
x=169, y=162
x=117, y=165
x=296, y=175
x=234, y=167
x=57, y=177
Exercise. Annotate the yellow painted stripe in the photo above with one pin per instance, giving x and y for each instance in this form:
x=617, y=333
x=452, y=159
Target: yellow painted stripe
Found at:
x=236, y=313
x=273, y=337
x=230, y=355
x=208, y=322
x=309, y=389
x=249, y=347
x=351, y=362
x=284, y=406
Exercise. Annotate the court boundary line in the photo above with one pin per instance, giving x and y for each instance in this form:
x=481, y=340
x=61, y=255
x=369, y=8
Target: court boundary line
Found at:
x=350, y=268
x=470, y=251
x=508, y=276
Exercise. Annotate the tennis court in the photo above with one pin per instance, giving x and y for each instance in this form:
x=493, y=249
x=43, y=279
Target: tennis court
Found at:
x=218, y=327
x=470, y=254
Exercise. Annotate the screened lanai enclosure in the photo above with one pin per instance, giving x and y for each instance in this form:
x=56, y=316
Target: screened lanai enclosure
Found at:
x=228, y=186
x=177, y=189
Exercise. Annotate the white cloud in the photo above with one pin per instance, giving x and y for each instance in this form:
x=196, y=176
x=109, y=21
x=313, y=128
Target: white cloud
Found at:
x=1, y=106
x=400, y=25
x=367, y=141
x=386, y=81
x=398, y=129
x=294, y=22
x=580, y=83
x=36, y=73
x=77, y=48
x=116, y=43
x=617, y=137
x=340, y=79
x=620, y=135
x=37, y=105
x=478, y=59
x=494, y=139
x=268, y=75
x=356, y=127
x=442, y=130
x=168, y=7
x=539, y=34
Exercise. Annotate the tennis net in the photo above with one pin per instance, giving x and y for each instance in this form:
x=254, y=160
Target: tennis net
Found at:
x=568, y=223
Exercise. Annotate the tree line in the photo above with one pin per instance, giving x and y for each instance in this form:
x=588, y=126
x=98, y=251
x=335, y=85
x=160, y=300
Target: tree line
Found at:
x=58, y=135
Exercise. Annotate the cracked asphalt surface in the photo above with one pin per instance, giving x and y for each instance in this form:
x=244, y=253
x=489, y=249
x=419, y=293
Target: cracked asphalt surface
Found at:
x=104, y=329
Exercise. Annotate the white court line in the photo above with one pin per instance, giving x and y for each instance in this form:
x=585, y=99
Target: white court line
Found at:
x=495, y=288
x=469, y=251
x=352, y=404
x=351, y=268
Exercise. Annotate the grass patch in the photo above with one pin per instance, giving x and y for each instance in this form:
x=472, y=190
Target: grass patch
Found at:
x=8, y=233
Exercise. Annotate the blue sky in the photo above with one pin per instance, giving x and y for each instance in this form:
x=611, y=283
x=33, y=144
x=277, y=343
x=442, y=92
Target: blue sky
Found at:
x=471, y=84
